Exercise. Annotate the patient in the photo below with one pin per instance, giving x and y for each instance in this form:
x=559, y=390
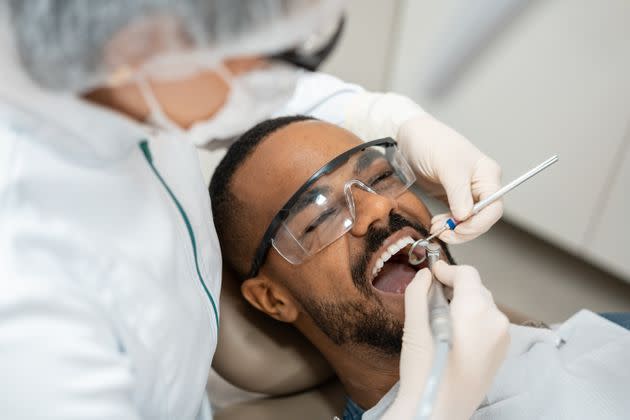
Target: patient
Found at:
x=331, y=261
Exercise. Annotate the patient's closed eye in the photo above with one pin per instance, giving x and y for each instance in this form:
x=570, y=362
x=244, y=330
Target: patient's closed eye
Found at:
x=381, y=178
x=320, y=219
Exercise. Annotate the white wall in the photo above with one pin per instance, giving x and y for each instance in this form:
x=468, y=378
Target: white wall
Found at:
x=365, y=49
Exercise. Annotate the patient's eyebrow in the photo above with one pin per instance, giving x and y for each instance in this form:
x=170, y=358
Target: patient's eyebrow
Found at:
x=365, y=160
x=309, y=197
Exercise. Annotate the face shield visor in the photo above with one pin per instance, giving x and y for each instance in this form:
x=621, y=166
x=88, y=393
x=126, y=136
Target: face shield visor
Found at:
x=323, y=209
x=74, y=45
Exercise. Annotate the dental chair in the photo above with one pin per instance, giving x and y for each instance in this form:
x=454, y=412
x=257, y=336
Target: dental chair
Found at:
x=273, y=370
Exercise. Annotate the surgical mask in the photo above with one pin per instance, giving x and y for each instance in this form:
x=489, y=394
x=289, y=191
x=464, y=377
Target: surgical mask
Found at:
x=253, y=97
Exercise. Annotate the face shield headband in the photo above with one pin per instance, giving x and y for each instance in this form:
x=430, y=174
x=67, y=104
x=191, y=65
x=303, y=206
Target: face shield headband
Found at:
x=323, y=209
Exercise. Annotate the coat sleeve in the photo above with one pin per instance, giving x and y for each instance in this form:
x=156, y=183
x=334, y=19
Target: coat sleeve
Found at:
x=369, y=115
x=321, y=96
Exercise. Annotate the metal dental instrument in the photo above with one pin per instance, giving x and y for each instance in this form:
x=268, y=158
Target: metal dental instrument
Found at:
x=452, y=223
x=439, y=314
x=440, y=322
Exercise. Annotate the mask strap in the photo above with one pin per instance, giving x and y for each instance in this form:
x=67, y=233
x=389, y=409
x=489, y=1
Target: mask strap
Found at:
x=225, y=74
x=156, y=113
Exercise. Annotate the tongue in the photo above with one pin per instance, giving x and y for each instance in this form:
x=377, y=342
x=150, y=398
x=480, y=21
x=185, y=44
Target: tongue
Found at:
x=394, y=277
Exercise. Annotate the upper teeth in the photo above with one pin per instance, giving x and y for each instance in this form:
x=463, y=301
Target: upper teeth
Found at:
x=391, y=250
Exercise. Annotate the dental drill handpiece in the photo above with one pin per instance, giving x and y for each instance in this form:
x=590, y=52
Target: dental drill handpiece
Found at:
x=439, y=313
x=440, y=322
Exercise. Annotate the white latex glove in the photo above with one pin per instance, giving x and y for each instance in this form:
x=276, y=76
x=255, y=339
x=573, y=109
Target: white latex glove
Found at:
x=449, y=166
x=480, y=343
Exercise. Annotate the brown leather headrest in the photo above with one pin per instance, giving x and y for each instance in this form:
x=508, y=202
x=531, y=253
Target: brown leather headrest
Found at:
x=260, y=354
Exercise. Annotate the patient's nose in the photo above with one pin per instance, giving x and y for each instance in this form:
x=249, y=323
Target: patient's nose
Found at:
x=370, y=208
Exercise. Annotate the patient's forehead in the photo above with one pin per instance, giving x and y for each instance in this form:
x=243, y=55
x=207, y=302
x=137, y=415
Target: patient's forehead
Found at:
x=284, y=161
x=287, y=158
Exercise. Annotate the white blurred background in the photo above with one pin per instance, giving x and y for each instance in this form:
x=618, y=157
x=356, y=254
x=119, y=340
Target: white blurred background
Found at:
x=523, y=80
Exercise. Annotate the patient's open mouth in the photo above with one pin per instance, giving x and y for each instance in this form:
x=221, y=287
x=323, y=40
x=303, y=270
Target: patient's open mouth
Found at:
x=390, y=269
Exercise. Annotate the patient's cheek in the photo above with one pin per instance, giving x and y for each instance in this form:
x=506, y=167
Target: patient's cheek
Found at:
x=328, y=274
x=411, y=204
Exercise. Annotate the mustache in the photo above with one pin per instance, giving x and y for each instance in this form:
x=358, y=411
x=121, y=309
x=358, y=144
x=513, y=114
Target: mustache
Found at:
x=374, y=238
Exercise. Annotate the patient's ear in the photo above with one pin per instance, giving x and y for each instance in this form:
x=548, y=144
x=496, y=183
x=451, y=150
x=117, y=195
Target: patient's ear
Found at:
x=269, y=297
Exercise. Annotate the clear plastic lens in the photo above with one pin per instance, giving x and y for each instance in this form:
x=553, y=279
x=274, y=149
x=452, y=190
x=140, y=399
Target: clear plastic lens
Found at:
x=288, y=246
x=324, y=212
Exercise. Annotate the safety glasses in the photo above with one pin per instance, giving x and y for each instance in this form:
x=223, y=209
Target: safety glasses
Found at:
x=323, y=208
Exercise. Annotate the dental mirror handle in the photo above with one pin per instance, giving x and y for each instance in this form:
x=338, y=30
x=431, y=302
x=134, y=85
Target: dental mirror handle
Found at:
x=452, y=223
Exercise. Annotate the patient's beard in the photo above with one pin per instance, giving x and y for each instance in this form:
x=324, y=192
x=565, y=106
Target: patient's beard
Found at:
x=357, y=321
x=363, y=321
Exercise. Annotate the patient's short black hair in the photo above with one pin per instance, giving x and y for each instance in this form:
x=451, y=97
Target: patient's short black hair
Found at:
x=227, y=210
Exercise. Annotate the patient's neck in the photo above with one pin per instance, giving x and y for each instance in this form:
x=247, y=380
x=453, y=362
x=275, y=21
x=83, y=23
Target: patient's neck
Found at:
x=366, y=374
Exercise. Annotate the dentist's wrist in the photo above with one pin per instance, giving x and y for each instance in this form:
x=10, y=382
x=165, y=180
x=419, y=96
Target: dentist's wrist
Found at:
x=372, y=115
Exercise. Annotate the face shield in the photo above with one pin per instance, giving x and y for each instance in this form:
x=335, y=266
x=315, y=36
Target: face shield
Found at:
x=323, y=209
x=75, y=46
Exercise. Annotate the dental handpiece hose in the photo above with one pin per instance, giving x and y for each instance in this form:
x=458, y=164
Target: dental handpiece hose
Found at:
x=440, y=323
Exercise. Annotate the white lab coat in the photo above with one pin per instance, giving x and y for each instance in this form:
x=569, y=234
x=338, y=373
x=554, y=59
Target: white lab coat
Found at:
x=110, y=268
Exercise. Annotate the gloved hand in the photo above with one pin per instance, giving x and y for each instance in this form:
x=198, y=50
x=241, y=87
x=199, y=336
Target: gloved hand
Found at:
x=480, y=343
x=449, y=166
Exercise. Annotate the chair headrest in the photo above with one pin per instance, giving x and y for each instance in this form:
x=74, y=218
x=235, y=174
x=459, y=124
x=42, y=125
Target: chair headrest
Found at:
x=260, y=354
